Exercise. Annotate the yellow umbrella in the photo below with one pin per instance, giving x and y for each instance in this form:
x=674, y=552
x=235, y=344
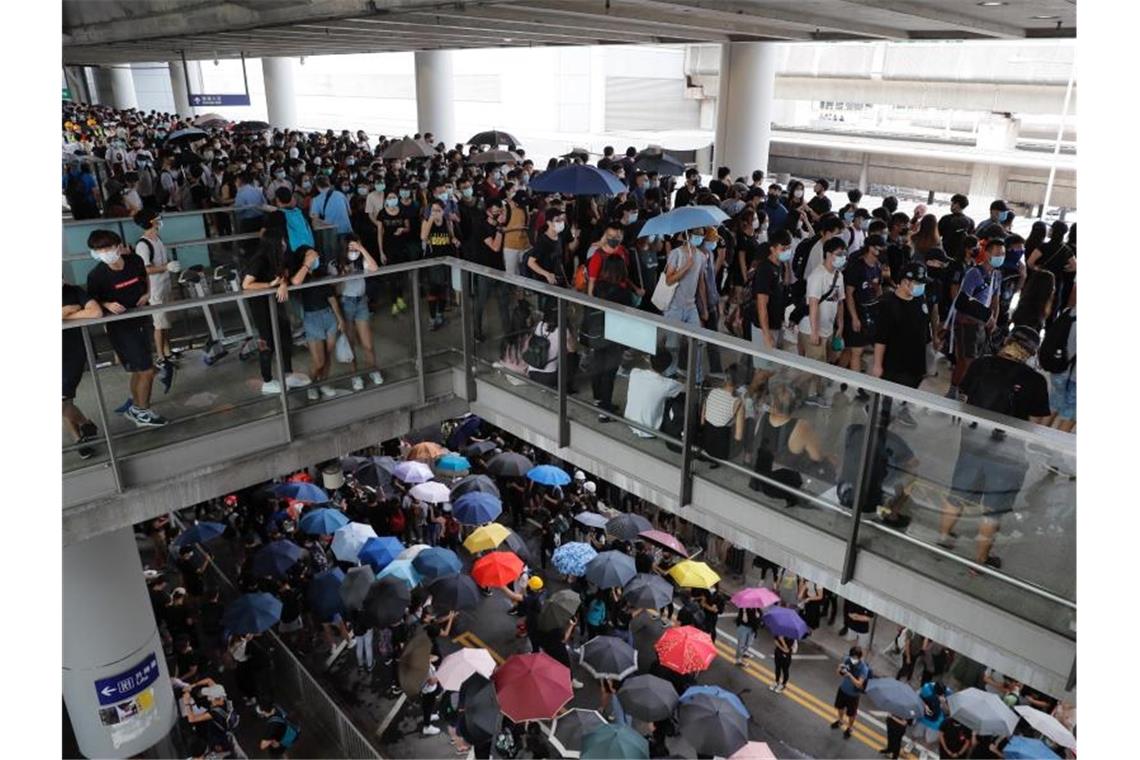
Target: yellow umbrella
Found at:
x=691, y=574
x=486, y=538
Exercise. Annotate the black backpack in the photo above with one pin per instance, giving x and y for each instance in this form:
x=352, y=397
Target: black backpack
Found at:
x=673, y=420
x=1053, y=356
x=537, y=352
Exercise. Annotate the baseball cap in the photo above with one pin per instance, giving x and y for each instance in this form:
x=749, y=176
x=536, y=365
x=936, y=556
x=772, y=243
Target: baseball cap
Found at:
x=914, y=271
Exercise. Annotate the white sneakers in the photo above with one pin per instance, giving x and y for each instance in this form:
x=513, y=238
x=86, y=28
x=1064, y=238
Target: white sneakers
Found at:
x=358, y=383
x=313, y=394
x=430, y=730
x=297, y=380
x=271, y=387
x=327, y=391
x=376, y=377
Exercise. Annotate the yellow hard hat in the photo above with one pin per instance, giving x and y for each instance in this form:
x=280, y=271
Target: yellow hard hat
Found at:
x=535, y=583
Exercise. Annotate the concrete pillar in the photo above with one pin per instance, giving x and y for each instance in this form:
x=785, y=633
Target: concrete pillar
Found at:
x=864, y=168
x=744, y=106
x=104, y=94
x=77, y=83
x=115, y=682
x=996, y=133
x=178, y=86
x=435, y=95
x=123, y=87
x=280, y=93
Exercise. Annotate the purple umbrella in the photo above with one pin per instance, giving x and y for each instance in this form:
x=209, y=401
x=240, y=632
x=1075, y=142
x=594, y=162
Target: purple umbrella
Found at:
x=786, y=622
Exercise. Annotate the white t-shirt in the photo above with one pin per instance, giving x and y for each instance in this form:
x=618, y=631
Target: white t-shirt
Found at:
x=159, y=283
x=646, y=396
x=818, y=284
x=815, y=257
x=857, y=237
x=374, y=204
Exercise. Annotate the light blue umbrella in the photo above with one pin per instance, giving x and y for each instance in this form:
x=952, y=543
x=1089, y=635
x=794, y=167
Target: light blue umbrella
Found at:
x=324, y=594
x=1024, y=748
x=682, y=219
x=716, y=691
x=252, y=613
x=476, y=508
x=402, y=569
x=452, y=463
x=578, y=179
x=324, y=521
x=199, y=533
x=895, y=697
x=572, y=558
x=436, y=562
x=301, y=492
x=549, y=475
x=614, y=741
x=380, y=551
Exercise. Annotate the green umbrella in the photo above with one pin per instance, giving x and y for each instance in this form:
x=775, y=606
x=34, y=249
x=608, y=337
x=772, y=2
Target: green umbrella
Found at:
x=559, y=609
x=614, y=741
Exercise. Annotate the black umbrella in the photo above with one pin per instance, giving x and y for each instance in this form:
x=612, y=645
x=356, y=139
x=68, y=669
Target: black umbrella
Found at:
x=375, y=473
x=387, y=600
x=406, y=148
x=454, y=592
x=558, y=610
x=188, y=135
x=648, y=697
x=580, y=153
x=517, y=544
x=493, y=157
x=712, y=725
x=480, y=449
x=651, y=160
x=571, y=726
x=472, y=484
x=648, y=591
x=251, y=126
x=626, y=526
x=510, y=465
x=608, y=657
x=610, y=569
x=481, y=718
x=494, y=137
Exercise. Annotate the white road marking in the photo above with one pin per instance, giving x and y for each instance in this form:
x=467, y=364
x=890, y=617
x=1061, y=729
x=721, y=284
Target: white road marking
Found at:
x=392, y=714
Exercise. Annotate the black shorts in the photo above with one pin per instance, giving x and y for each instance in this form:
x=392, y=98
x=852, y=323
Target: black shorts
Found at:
x=74, y=365
x=131, y=341
x=864, y=337
x=846, y=702
x=987, y=474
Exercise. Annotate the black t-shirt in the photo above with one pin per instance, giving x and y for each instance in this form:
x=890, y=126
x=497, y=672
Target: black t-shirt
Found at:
x=767, y=280
x=820, y=204
x=187, y=661
x=685, y=196
x=73, y=295
x=1006, y=386
x=316, y=297
x=718, y=188
x=865, y=278
x=439, y=242
x=126, y=286
x=955, y=735
x=904, y=328
x=390, y=224
x=643, y=562
x=261, y=269
x=477, y=249
x=548, y=255
x=858, y=626
x=953, y=229
x=753, y=252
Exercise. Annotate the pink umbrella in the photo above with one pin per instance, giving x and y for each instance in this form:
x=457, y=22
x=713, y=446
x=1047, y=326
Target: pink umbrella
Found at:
x=664, y=540
x=754, y=598
x=753, y=751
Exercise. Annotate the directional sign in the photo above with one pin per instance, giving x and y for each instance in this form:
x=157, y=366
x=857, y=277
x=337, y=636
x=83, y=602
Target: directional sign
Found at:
x=219, y=100
x=128, y=683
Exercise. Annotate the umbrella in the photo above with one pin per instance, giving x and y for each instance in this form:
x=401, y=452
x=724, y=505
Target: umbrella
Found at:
x=682, y=219
x=559, y=609
x=357, y=582
x=402, y=569
x=436, y=562
x=493, y=157
x=251, y=126
x=188, y=135
x=482, y=717
x=375, y=473
x=532, y=687
x=628, y=526
x=463, y=663
x=388, y=600
x=515, y=543
x=1024, y=748
x=1048, y=726
x=569, y=728
x=452, y=463
x=497, y=569
x=610, y=569
x=252, y=613
x=665, y=541
x=591, y=519
x=324, y=593
x=716, y=691
x=480, y=449
x=486, y=537
x=895, y=697
x=577, y=152
x=614, y=741
x=685, y=649
x=754, y=598
x=208, y=119
x=380, y=551
x=349, y=540
x=692, y=574
x=298, y=491
x=476, y=508
x=426, y=451
x=406, y=148
x=474, y=484
x=549, y=475
x=982, y=712
x=454, y=592
x=786, y=622
x=608, y=657
x=571, y=558
x=493, y=137
x=412, y=551
x=431, y=492
x=414, y=664
x=199, y=533
x=659, y=162
x=509, y=465
x=275, y=558
x=712, y=725
x=578, y=179
x=464, y=431
x=753, y=751
x=648, y=591
x=412, y=472
x=648, y=697
x=322, y=522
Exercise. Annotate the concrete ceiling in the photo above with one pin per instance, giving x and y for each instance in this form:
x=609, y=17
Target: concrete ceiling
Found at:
x=121, y=31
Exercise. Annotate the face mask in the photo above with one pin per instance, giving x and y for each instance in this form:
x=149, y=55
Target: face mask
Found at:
x=442, y=195
x=362, y=190
x=632, y=218
x=695, y=240
x=378, y=186
x=849, y=216
x=108, y=256
x=865, y=225
x=405, y=194
x=1016, y=252
x=353, y=255
x=494, y=176
x=772, y=197
x=350, y=162
x=855, y=661
x=798, y=194
x=1003, y=216
x=345, y=187
x=785, y=255
x=918, y=289
x=307, y=185
x=997, y=261
x=525, y=176
x=327, y=171
x=709, y=245
x=559, y=226
x=840, y=262
x=315, y=265
x=468, y=192
x=158, y=224
x=613, y=242
x=391, y=202
x=654, y=183
x=279, y=174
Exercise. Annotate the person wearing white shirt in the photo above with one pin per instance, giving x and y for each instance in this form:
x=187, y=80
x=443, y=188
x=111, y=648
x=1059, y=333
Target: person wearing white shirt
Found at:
x=827, y=229
x=825, y=292
x=648, y=391
x=159, y=265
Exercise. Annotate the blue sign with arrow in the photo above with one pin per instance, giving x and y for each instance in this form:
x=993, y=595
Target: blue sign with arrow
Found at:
x=128, y=683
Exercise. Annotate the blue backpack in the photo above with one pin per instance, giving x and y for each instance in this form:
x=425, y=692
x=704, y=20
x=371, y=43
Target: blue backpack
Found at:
x=292, y=731
x=298, y=229
x=596, y=612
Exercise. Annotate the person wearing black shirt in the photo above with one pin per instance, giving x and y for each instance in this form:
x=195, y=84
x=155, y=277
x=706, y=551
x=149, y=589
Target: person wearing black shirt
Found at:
x=188, y=662
x=719, y=186
x=687, y=194
x=546, y=260
x=119, y=283
x=322, y=317
x=863, y=281
x=437, y=233
x=954, y=227
x=990, y=470
x=902, y=330
x=820, y=204
x=767, y=290
x=485, y=246
x=953, y=740
x=77, y=305
x=268, y=270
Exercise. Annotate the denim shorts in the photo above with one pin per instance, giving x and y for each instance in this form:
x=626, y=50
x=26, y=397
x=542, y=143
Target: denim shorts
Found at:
x=319, y=325
x=1063, y=395
x=355, y=308
x=987, y=473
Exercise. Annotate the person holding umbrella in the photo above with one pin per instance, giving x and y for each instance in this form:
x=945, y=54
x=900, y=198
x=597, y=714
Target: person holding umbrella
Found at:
x=854, y=672
x=683, y=269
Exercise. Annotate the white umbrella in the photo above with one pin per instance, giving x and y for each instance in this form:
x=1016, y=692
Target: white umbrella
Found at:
x=411, y=552
x=461, y=664
x=348, y=541
x=1048, y=726
x=591, y=519
x=432, y=492
x=983, y=712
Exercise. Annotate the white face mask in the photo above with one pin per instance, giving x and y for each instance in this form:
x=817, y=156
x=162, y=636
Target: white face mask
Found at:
x=108, y=255
x=353, y=255
x=798, y=194
x=559, y=226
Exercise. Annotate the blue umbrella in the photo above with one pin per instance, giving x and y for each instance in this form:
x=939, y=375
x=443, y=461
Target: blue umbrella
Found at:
x=572, y=558
x=452, y=463
x=252, y=613
x=301, y=492
x=786, y=622
x=380, y=551
x=402, y=569
x=578, y=179
x=199, y=533
x=324, y=594
x=436, y=562
x=1024, y=748
x=549, y=475
x=716, y=691
x=476, y=508
x=463, y=432
x=683, y=218
x=323, y=522
x=276, y=558
x=895, y=697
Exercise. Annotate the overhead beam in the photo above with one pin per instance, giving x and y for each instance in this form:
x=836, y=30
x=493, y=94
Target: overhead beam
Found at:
x=526, y=21
x=942, y=14
x=460, y=24
x=802, y=20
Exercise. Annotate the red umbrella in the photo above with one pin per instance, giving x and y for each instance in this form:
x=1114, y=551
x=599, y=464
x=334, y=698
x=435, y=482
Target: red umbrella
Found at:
x=532, y=687
x=496, y=569
x=686, y=649
x=664, y=540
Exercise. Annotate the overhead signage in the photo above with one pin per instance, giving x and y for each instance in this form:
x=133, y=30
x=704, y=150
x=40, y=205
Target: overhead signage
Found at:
x=219, y=100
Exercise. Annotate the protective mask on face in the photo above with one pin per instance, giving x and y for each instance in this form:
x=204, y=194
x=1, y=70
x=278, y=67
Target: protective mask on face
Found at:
x=865, y=225
x=798, y=194
x=1003, y=216
x=997, y=261
x=391, y=202
x=696, y=240
x=468, y=192
x=378, y=186
x=709, y=245
x=353, y=255
x=849, y=216
x=350, y=162
x=306, y=185
x=208, y=155
x=362, y=190
x=559, y=226
x=279, y=174
x=613, y=242
x=785, y=255
x=108, y=255
x=405, y=194
x=918, y=289
x=632, y=217
x=855, y=661
x=315, y=265
x=840, y=262
x=345, y=187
